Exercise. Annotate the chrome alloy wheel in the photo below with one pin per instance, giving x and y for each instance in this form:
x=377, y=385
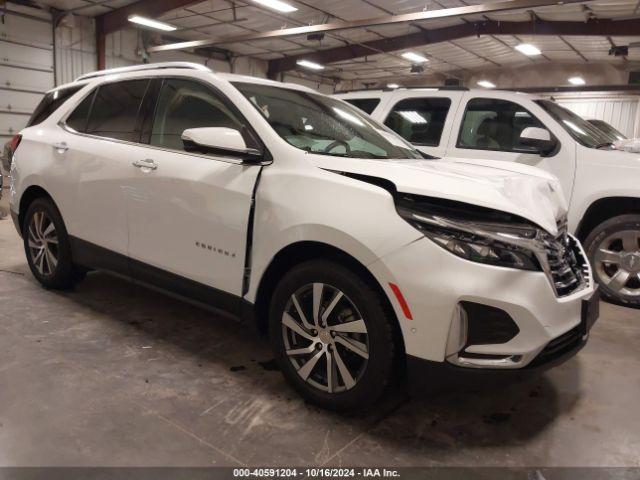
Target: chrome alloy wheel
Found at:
x=617, y=262
x=43, y=243
x=325, y=338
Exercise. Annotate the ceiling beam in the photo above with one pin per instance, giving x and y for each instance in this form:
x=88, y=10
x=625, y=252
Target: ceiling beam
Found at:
x=117, y=19
x=600, y=27
x=491, y=7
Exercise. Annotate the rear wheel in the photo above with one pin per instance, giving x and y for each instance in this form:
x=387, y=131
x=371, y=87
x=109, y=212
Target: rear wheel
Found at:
x=331, y=335
x=613, y=248
x=47, y=247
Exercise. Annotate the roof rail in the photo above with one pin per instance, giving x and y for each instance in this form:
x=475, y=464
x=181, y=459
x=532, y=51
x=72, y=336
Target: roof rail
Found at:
x=417, y=87
x=144, y=66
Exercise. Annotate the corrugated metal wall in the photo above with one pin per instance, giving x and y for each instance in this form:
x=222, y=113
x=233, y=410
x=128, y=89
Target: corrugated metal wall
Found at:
x=620, y=111
x=26, y=68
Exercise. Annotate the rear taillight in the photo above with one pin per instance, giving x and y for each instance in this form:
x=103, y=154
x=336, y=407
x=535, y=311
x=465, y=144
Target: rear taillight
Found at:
x=15, y=141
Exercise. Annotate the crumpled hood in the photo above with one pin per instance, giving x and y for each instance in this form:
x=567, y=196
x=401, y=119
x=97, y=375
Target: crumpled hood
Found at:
x=528, y=192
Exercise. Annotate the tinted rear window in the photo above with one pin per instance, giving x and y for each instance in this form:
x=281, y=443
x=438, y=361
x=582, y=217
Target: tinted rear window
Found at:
x=78, y=118
x=367, y=105
x=114, y=113
x=50, y=104
x=419, y=120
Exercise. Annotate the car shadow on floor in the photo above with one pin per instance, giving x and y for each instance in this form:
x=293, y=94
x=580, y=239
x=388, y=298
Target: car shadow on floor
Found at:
x=204, y=370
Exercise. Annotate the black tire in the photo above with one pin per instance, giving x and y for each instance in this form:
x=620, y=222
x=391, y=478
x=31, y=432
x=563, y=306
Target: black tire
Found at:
x=372, y=378
x=604, y=237
x=64, y=274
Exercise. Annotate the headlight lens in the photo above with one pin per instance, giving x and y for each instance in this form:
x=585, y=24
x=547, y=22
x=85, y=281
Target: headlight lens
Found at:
x=489, y=242
x=483, y=250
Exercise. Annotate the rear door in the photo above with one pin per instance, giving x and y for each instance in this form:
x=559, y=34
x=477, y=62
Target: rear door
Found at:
x=188, y=212
x=423, y=117
x=93, y=152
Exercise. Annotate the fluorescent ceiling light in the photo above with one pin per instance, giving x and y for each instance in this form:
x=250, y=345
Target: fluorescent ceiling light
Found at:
x=486, y=84
x=577, y=81
x=414, y=57
x=311, y=65
x=413, y=117
x=528, y=49
x=393, y=85
x=277, y=5
x=147, y=22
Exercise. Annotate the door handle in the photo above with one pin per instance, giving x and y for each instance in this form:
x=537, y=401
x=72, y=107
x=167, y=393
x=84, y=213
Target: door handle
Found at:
x=61, y=146
x=146, y=164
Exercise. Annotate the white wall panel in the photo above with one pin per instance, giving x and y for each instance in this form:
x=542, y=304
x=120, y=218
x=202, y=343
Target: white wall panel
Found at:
x=75, y=49
x=621, y=112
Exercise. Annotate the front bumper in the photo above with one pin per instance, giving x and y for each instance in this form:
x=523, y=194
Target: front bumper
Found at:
x=434, y=282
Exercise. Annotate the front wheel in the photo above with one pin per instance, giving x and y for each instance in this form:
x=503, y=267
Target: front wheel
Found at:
x=332, y=336
x=613, y=248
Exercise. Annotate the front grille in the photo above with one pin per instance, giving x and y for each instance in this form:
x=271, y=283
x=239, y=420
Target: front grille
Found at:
x=568, y=268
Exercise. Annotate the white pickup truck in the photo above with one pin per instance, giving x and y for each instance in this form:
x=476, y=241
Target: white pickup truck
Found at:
x=602, y=185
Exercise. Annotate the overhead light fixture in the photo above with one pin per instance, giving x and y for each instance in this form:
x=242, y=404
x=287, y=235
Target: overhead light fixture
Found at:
x=528, y=49
x=486, y=84
x=277, y=5
x=393, y=85
x=309, y=64
x=577, y=81
x=148, y=22
x=413, y=117
x=414, y=57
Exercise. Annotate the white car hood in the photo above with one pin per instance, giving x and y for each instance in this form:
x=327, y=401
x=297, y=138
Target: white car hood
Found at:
x=529, y=192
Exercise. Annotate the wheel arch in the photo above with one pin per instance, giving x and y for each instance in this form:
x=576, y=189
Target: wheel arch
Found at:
x=604, y=209
x=32, y=193
x=298, y=252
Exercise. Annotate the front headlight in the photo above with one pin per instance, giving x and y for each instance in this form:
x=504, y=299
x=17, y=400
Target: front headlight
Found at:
x=482, y=236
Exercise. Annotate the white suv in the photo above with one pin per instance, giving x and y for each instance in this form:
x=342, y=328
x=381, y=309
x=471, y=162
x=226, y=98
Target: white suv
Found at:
x=295, y=210
x=602, y=185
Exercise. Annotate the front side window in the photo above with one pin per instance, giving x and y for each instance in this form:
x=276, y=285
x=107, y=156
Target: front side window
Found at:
x=582, y=131
x=494, y=124
x=367, y=105
x=115, y=110
x=323, y=125
x=419, y=120
x=185, y=104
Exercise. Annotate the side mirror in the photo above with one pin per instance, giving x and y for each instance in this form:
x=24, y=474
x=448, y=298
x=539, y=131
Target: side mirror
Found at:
x=221, y=141
x=539, y=139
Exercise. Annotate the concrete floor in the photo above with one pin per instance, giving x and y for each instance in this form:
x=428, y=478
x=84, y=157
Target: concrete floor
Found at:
x=114, y=374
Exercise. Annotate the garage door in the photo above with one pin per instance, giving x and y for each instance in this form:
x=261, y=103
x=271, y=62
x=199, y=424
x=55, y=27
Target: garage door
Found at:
x=26, y=69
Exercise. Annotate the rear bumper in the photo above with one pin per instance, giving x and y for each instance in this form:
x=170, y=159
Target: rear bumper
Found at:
x=16, y=221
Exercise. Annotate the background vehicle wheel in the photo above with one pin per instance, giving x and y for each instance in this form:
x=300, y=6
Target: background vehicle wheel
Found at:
x=332, y=336
x=613, y=248
x=47, y=247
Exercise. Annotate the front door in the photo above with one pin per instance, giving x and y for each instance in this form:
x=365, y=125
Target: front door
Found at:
x=189, y=213
x=490, y=130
